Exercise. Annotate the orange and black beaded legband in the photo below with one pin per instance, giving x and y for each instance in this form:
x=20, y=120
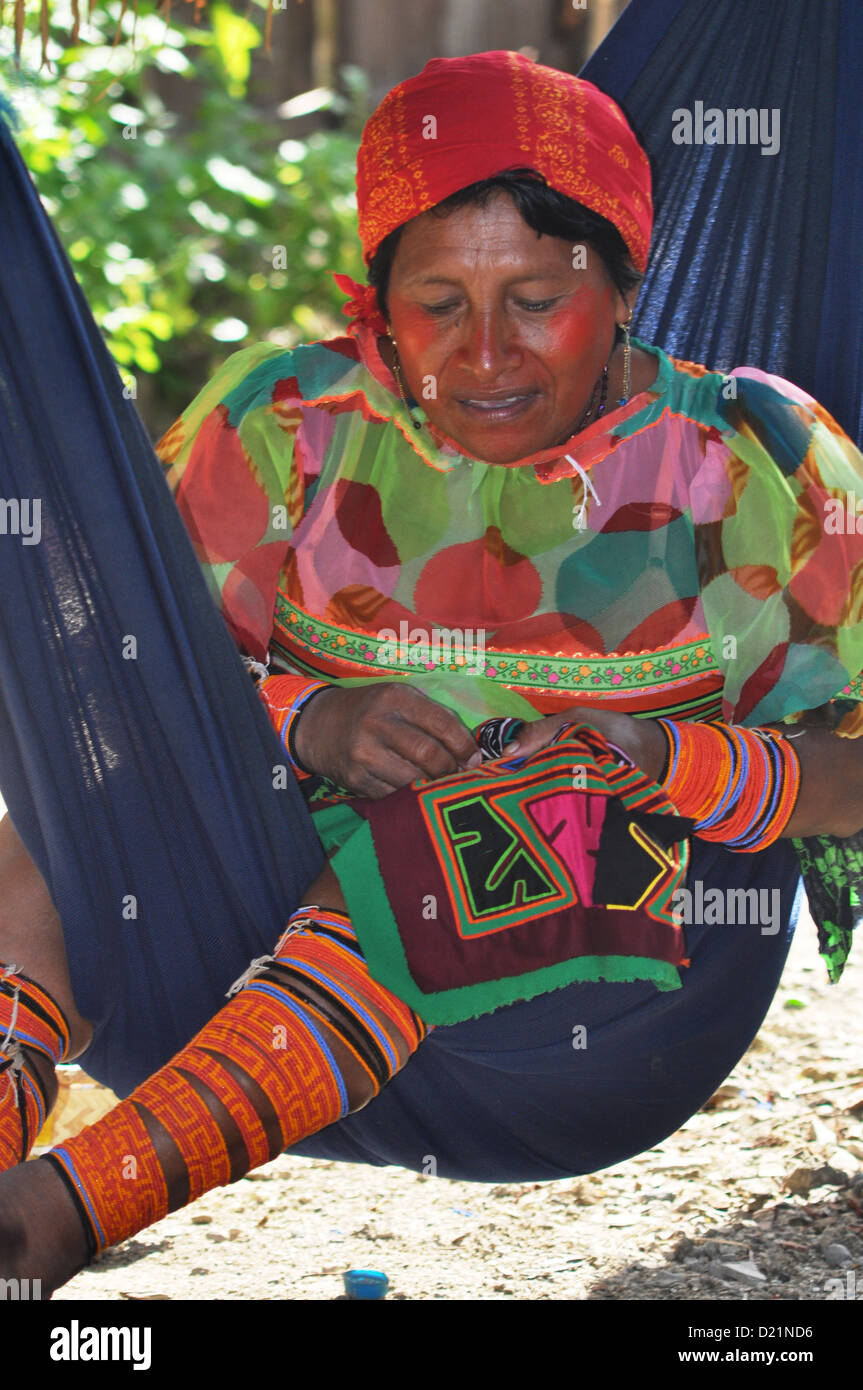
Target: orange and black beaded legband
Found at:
x=31, y=1021
x=273, y=1032
x=740, y=786
x=327, y=971
x=184, y=1113
x=209, y=1069
x=110, y=1169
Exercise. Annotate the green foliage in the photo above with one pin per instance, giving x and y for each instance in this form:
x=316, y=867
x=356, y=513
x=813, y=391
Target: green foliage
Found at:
x=191, y=236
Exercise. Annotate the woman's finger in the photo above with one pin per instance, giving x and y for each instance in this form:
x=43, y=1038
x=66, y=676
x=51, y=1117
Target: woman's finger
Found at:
x=391, y=767
x=537, y=735
x=416, y=745
x=639, y=741
x=440, y=724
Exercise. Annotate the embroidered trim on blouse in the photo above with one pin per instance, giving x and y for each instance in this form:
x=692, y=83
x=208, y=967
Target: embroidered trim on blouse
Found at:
x=666, y=668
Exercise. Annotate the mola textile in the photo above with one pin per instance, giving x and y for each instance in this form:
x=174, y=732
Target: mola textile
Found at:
x=533, y=873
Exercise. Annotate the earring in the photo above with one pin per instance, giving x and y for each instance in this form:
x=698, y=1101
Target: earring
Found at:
x=627, y=361
x=417, y=424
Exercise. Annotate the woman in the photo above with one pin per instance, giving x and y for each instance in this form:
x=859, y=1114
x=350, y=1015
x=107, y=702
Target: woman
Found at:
x=599, y=532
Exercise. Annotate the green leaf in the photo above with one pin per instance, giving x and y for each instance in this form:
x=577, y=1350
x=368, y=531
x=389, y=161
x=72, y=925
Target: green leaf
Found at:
x=234, y=39
x=198, y=207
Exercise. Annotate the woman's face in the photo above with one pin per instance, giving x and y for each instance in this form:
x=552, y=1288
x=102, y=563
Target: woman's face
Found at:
x=502, y=334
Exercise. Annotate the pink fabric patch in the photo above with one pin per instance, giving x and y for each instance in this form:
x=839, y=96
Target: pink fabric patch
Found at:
x=785, y=388
x=572, y=824
x=323, y=552
x=711, y=487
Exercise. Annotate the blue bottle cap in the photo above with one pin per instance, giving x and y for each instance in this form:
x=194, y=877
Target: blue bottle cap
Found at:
x=365, y=1283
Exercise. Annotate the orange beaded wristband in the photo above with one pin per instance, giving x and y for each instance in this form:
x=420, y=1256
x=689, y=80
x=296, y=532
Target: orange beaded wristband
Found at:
x=740, y=786
x=285, y=698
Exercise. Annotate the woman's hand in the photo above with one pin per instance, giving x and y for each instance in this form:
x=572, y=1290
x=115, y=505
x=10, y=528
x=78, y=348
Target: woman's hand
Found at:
x=830, y=801
x=641, y=739
x=373, y=739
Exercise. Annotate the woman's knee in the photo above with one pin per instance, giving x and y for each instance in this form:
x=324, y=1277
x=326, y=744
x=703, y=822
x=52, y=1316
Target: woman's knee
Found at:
x=31, y=934
x=370, y=1033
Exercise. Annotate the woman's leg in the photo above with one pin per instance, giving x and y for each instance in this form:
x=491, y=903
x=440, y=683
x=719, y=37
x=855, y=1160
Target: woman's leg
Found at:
x=39, y=1024
x=308, y=1038
x=31, y=934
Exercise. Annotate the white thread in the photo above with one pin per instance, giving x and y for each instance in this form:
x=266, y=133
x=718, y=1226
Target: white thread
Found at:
x=581, y=519
x=259, y=669
x=7, y=971
x=294, y=927
x=256, y=968
x=10, y=1047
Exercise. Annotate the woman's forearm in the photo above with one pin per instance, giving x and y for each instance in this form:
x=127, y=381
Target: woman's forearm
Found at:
x=830, y=799
x=830, y=796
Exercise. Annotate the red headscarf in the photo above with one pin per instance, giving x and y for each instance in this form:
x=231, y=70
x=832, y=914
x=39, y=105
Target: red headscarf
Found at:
x=465, y=119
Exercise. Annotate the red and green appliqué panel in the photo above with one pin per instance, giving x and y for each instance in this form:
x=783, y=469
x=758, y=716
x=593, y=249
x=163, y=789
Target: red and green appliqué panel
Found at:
x=494, y=885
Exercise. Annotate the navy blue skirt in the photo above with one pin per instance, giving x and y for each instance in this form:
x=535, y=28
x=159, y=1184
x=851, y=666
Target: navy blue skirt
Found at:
x=523, y=1094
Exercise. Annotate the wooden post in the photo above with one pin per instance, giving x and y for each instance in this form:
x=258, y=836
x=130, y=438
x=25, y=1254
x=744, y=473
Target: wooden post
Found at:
x=601, y=15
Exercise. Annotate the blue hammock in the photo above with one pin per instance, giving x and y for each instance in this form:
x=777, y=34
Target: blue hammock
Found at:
x=755, y=259
x=135, y=758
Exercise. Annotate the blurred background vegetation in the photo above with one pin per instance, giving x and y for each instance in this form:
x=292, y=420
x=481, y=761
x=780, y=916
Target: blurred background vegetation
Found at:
x=204, y=189
x=190, y=238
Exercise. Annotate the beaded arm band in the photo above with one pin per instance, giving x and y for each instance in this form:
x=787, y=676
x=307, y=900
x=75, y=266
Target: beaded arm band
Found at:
x=740, y=786
x=285, y=698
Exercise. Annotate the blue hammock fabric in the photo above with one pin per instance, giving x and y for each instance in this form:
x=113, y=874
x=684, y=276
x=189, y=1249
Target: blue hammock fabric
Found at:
x=523, y=1095
x=150, y=779
x=755, y=259
x=141, y=784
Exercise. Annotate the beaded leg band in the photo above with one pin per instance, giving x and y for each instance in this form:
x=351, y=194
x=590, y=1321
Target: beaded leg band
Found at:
x=322, y=964
x=739, y=785
x=269, y=1033
x=31, y=1021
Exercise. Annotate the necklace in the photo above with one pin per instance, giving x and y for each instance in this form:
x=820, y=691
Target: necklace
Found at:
x=600, y=390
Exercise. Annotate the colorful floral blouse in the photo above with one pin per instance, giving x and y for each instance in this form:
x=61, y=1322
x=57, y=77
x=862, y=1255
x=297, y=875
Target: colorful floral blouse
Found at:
x=694, y=552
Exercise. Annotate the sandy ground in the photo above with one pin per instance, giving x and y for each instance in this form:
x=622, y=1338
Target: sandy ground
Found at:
x=758, y=1197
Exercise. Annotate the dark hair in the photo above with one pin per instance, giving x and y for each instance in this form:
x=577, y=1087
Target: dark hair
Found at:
x=545, y=211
